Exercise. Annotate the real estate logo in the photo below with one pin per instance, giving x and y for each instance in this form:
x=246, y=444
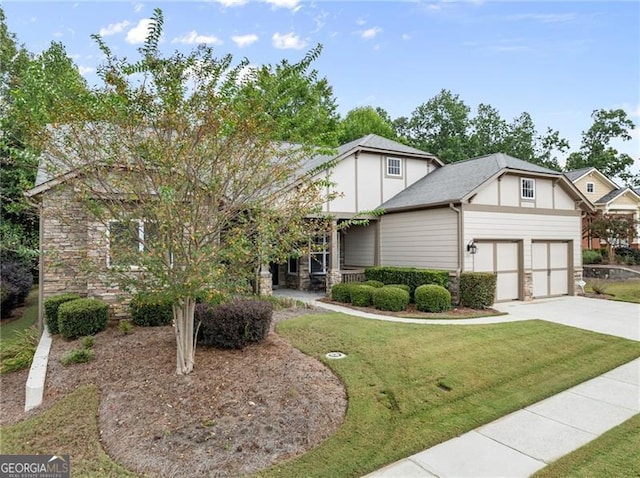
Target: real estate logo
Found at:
x=35, y=466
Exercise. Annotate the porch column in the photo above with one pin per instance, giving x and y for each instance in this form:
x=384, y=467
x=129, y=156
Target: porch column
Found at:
x=265, y=281
x=334, y=276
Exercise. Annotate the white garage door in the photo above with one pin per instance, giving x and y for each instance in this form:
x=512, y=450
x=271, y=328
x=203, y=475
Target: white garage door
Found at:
x=550, y=267
x=502, y=258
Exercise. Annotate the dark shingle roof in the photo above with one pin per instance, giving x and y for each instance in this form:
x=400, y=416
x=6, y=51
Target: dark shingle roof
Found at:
x=577, y=173
x=454, y=181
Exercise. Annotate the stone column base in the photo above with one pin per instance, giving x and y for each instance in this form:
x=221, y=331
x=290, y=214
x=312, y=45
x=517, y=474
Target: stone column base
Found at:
x=265, y=283
x=528, y=286
x=333, y=278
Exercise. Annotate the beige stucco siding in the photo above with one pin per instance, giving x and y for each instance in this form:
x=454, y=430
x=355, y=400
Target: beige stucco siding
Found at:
x=544, y=193
x=363, y=185
x=562, y=200
x=505, y=191
x=426, y=239
x=600, y=186
x=509, y=191
x=359, y=246
x=502, y=225
x=625, y=200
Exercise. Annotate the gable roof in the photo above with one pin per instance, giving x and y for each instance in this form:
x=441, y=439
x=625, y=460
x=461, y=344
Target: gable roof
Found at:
x=375, y=144
x=456, y=181
x=577, y=174
x=616, y=193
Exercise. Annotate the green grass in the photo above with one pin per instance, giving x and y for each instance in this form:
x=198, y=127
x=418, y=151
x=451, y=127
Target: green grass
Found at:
x=69, y=427
x=624, y=291
x=615, y=454
x=29, y=317
x=411, y=387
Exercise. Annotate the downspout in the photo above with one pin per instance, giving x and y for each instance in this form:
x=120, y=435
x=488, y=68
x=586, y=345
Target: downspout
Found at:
x=460, y=253
x=38, y=205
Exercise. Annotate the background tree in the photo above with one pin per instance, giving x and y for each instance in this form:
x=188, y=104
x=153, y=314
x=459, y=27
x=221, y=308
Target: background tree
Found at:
x=595, y=150
x=488, y=131
x=440, y=126
x=362, y=121
x=614, y=229
x=301, y=104
x=189, y=151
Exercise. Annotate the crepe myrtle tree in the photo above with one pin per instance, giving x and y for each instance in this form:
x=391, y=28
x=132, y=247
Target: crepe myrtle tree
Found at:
x=179, y=153
x=615, y=230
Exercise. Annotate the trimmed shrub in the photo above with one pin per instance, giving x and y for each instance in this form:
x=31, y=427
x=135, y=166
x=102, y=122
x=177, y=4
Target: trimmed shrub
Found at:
x=341, y=293
x=390, y=298
x=125, y=327
x=233, y=324
x=628, y=255
x=361, y=295
x=432, y=298
x=82, y=317
x=51, y=306
x=151, y=310
x=401, y=286
x=15, y=283
x=477, y=289
x=373, y=283
x=591, y=257
x=410, y=276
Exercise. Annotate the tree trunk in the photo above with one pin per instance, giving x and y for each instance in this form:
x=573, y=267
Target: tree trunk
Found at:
x=183, y=320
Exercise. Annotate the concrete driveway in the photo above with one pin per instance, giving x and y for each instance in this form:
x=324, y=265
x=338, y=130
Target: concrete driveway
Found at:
x=621, y=319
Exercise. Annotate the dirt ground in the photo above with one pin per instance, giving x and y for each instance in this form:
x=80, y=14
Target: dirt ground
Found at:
x=238, y=412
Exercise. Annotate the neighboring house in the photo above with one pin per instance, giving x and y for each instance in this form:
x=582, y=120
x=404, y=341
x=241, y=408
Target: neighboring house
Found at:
x=494, y=213
x=608, y=198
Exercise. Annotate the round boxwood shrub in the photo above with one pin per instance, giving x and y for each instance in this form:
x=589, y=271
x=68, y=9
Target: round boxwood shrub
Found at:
x=591, y=257
x=390, y=298
x=341, y=293
x=374, y=283
x=82, y=317
x=400, y=286
x=361, y=295
x=51, y=306
x=432, y=298
x=151, y=310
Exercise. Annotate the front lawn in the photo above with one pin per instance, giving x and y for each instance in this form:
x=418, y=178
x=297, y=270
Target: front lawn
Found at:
x=614, y=454
x=27, y=316
x=625, y=291
x=411, y=387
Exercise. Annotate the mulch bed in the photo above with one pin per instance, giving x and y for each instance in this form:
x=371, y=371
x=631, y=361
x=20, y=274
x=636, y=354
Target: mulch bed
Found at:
x=238, y=412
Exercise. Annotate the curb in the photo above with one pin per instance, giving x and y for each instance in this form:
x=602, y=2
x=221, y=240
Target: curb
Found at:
x=34, y=390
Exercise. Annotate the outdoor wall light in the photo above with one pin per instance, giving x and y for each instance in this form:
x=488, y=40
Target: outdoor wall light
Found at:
x=471, y=247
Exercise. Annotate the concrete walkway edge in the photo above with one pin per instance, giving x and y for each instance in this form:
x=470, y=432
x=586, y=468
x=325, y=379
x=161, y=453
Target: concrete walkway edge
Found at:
x=34, y=389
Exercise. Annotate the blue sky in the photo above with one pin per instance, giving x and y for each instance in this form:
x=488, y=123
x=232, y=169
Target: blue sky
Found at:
x=556, y=60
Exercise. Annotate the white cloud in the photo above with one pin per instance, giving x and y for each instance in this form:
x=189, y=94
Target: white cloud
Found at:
x=138, y=34
x=288, y=41
x=631, y=109
x=114, y=28
x=290, y=4
x=370, y=33
x=86, y=70
x=244, y=40
x=58, y=34
x=360, y=21
x=544, y=17
x=193, y=37
x=231, y=3
x=138, y=7
x=406, y=36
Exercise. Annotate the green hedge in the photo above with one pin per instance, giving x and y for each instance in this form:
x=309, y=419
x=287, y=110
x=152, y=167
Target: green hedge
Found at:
x=407, y=275
x=361, y=295
x=342, y=292
x=390, y=298
x=151, y=310
x=51, y=306
x=591, y=257
x=477, y=289
x=404, y=287
x=82, y=317
x=432, y=298
x=373, y=283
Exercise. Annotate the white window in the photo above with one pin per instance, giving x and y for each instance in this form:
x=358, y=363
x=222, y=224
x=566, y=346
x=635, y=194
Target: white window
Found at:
x=591, y=188
x=394, y=167
x=319, y=256
x=527, y=188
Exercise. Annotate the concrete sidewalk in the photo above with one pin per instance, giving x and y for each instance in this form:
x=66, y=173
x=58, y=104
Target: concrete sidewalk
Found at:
x=525, y=441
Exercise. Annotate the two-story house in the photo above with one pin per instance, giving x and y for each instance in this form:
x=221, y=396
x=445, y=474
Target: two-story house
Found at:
x=607, y=198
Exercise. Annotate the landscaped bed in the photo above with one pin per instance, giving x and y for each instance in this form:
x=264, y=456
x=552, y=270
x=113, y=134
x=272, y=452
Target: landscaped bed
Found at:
x=409, y=387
